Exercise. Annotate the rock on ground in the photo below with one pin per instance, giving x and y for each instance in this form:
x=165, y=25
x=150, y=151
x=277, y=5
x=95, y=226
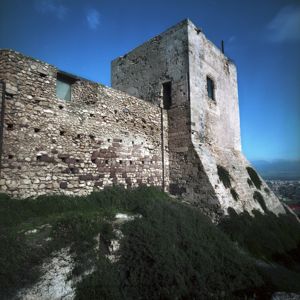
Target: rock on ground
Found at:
x=54, y=283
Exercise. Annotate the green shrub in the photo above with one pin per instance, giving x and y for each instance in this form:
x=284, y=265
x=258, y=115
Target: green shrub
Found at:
x=279, y=278
x=174, y=252
x=16, y=259
x=102, y=284
x=78, y=231
x=254, y=177
x=260, y=199
x=273, y=239
x=266, y=236
x=249, y=181
x=75, y=222
x=224, y=176
x=234, y=194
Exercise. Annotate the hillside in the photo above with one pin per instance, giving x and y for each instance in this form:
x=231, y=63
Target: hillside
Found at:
x=141, y=244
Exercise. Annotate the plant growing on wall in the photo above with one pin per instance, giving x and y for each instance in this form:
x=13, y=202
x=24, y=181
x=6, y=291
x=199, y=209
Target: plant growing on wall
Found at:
x=254, y=177
x=234, y=194
x=260, y=199
x=249, y=181
x=224, y=176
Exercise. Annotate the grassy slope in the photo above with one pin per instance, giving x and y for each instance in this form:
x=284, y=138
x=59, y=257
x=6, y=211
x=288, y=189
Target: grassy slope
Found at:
x=274, y=241
x=172, y=252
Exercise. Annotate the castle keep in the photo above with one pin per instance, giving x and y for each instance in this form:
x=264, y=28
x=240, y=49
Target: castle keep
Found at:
x=171, y=119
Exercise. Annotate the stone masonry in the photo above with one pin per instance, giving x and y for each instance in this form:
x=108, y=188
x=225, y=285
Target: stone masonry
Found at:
x=157, y=126
x=99, y=138
x=203, y=133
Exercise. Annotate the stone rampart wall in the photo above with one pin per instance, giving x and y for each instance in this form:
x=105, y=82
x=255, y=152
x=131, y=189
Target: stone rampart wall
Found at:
x=99, y=138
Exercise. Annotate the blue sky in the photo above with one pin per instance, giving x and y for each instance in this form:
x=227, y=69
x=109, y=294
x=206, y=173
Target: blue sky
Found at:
x=262, y=37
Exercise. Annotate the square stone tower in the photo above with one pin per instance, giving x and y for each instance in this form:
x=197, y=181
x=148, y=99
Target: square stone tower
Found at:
x=195, y=85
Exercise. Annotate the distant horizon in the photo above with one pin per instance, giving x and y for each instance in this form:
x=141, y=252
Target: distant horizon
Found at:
x=276, y=160
x=278, y=169
x=263, y=39
x=272, y=159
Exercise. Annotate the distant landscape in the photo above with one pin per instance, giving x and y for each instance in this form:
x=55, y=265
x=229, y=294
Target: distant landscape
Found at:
x=283, y=178
x=278, y=169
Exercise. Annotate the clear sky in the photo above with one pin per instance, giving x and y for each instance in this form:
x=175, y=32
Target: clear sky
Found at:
x=262, y=37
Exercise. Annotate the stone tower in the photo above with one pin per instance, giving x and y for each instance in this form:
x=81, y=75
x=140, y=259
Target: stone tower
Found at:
x=195, y=85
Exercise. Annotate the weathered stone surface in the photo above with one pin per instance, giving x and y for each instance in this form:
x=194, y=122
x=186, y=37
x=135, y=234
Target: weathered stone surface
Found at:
x=104, y=136
x=202, y=132
x=11, y=89
x=55, y=283
x=77, y=146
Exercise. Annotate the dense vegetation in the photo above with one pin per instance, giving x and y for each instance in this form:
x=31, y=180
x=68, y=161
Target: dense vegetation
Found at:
x=265, y=236
x=171, y=252
x=271, y=239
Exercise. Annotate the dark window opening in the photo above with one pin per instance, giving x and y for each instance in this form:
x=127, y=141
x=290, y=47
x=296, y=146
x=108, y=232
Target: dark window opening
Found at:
x=210, y=88
x=10, y=156
x=10, y=126
x=167, y=95
x=64, y=159
x=62, y=133
x=64, y=86
x=36, y=130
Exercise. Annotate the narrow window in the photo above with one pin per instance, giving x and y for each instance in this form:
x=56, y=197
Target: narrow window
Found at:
x=64, y=86
x=167, y=95
x=210, y=88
